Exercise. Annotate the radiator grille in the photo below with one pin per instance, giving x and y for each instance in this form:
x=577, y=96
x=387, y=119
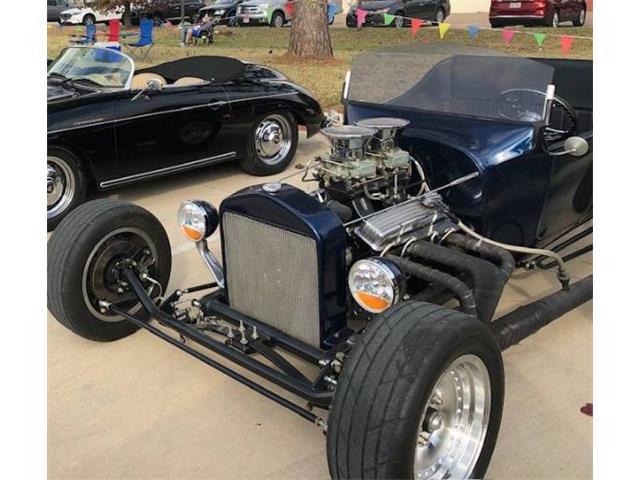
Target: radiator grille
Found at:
x=272, y=276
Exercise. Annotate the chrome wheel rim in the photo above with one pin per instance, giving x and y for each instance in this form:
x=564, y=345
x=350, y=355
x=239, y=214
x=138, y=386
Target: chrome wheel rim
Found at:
x=583, y=16
x=93, y=290
x=61, y=186
x=454, y=423
x=440, y=16
x=556, y=20
x=399, y=22
x=278, y=21
x=273, y=139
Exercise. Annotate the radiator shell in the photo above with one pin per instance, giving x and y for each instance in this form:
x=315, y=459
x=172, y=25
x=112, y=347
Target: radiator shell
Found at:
x=287, y=214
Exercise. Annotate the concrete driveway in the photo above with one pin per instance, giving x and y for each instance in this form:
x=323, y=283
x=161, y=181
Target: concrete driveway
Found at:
x=138, y=408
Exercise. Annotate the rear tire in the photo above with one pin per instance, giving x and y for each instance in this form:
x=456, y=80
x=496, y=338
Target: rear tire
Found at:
x=496, y=24
x=399, y=21
x=554, y=20
x=66, y=184
x=386, y=390
x=440, y=17
x=80, y=254
x=271, y=144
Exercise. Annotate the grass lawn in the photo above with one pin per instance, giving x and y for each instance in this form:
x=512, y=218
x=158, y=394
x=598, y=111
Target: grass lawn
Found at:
x=324, y=77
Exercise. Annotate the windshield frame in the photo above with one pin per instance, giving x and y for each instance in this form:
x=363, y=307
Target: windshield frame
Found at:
x=127, y=84
x=425, y=83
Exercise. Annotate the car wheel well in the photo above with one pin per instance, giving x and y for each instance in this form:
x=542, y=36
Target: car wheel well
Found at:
x=81, y=157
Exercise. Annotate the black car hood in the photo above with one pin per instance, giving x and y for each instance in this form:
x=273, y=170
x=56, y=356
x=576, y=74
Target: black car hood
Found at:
x=55, y=91
x=373, y=6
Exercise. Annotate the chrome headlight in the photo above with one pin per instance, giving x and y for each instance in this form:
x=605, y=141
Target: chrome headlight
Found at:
x=376, y=283
x=197, y=219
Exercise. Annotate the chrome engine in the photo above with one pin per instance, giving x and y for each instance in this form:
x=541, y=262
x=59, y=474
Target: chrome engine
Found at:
x=376, y=187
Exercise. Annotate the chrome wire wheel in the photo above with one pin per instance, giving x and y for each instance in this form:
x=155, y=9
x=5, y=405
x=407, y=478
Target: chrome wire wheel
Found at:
x=398, y=22
x=61, y=186
x=583, y=16
x=454, y=423
x=100, y=279
x=273, y=139
x=556, y=20
x=440, y=16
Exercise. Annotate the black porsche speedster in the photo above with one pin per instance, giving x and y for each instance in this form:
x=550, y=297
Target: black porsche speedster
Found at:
x=111, y=125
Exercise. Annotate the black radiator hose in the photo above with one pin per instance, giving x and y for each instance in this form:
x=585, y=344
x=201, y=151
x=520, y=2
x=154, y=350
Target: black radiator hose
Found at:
x=460, y=290
x=501, y=257
x=528, y=319
x=488, y=280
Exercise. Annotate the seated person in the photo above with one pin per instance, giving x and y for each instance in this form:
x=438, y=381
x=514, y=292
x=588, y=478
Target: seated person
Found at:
x=204, y=23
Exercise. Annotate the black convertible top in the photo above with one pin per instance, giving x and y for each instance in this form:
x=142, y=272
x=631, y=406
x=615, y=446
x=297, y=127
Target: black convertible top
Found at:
x=213, y=68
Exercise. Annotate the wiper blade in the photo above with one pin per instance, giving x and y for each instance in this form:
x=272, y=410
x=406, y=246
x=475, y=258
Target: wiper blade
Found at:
x=56, y=75
x=78, y=80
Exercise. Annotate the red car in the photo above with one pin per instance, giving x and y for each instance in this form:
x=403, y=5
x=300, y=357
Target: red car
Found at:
x=537, y=12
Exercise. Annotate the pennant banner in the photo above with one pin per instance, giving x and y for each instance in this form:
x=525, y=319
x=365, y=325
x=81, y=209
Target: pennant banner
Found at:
x=508, y=35
x=443, y=28
x=473, y=31
x=388, y=18
x=566, y=42
x=360, y=16
x=269, y=15
x=416, y=23
x=539, y=38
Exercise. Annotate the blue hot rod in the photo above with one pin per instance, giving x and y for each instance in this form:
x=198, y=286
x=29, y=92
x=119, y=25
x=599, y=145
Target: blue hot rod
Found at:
x=448, y=176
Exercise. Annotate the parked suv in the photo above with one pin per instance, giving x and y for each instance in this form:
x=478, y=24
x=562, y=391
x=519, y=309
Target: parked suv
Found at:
x=256, y=12
x=537, y=12
x=55, y=8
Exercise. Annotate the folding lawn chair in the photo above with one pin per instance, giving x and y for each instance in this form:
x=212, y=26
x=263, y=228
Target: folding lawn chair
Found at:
x=114, y=31
x=88, y=38
x=145, y=43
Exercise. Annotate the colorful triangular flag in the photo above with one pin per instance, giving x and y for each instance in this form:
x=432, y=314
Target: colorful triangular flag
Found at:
x=443, y=29
x=269, y=15
x=360, y=16
x=473, y=31
x=416, y=23
x=566, y=41
x=388, y=18
x=539, y=38
x=508, y=35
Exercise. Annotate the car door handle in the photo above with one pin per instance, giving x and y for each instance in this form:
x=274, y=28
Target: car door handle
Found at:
x=216, y=105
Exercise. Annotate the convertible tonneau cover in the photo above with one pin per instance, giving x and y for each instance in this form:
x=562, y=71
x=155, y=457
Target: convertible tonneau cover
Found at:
x=213, y=68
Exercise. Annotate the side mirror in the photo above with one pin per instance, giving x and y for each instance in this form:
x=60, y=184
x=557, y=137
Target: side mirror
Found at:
x=332, y=118
x=574, y=146
x=152, y=85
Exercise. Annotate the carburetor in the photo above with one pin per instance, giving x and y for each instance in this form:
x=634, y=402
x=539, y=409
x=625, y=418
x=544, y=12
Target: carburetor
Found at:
x=365, y=159
x=384, y=145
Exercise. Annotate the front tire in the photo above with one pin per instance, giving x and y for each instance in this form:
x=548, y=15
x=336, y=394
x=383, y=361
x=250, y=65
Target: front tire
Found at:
x=440, y=17
x=66, y=184
x=271, y=144
x=82, y=258
x=420, y=375
x=582, y=17
x=277, y=20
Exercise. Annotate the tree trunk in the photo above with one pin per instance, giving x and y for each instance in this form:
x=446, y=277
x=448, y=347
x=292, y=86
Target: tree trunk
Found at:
x=126, y=15
x=310, y=30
